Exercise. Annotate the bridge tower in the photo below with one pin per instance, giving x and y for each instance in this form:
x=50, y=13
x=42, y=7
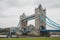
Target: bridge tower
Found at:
x=40, y=12
x=23, y=24
x=39, y=24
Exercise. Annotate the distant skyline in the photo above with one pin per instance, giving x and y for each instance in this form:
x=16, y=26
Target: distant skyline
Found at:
x=10, y=10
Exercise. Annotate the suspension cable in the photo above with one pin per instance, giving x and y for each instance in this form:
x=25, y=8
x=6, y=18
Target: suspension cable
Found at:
x=47, y=22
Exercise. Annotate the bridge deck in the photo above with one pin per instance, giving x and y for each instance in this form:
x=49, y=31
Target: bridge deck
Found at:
x=50, y=30
x=29, y=18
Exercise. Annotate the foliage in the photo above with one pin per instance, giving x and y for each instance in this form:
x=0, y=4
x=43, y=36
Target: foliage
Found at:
x=31, y=38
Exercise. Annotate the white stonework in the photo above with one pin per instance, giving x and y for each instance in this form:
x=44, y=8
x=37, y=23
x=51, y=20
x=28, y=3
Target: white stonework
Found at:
x=23, y=24
x=38, y=22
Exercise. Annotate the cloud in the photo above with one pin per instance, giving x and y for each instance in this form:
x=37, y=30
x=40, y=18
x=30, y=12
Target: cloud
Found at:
x=48, y=3
x=18, y=3
x=9, y=22
x=10, y=6
x=56, y=5
x=10, y=10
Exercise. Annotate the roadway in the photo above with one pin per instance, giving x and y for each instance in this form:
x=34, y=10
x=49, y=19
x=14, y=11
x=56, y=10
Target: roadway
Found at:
x=14, y=36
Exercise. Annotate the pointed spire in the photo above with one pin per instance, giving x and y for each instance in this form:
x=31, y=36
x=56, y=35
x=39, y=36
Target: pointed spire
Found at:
x=23, y=13
x=40, y=7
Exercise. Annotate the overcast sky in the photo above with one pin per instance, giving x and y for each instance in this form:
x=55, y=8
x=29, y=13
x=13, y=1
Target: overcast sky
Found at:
x=10, y=10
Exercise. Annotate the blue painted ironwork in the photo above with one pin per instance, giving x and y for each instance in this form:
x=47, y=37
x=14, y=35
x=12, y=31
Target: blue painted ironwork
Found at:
x=45, y=30
x=29, y=18
x=50, y=30
x=25, y=31
x=41, y=18
x=53, y=23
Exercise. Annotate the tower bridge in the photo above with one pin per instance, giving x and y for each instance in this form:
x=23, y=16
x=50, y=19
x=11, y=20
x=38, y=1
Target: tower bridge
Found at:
x=41, y=20
x=38, y=11
x=38, y=22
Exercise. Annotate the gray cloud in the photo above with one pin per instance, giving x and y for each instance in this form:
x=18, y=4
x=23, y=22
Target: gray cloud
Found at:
x=18, y=3
x=56, y=5
x=14, y=8
x=48, y=3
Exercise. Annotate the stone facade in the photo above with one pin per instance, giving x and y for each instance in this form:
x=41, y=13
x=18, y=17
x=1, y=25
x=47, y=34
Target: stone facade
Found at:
x=23, y=24
x=38, y=22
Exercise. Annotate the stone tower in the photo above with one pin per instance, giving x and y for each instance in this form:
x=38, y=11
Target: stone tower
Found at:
x=38, y=22
x=23, y=24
